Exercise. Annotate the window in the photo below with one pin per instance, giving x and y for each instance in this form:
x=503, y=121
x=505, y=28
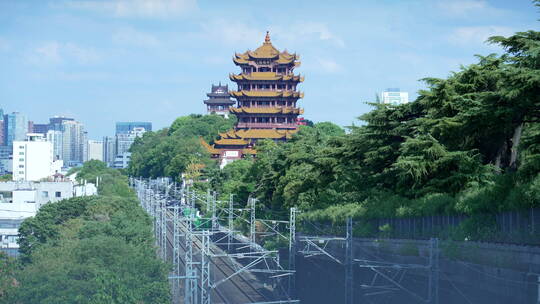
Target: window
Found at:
x=21, y=172
x=58, y=194
x=21, y=153
x=45, y=193
x=21, y=159
x=21, y=147
x=21, y=166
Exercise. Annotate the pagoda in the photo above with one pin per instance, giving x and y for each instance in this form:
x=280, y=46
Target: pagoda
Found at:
x=219, y=100
x=266, y=101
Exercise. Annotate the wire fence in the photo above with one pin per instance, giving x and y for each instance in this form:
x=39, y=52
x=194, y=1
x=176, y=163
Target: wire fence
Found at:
x=511, y=227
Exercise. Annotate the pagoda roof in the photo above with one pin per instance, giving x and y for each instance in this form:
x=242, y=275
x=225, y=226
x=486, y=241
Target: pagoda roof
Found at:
x=265, y=76
x=249, y=151
x=208, y=147
x=266, y=51
x=226, y=101
x=225, y=94
x=267, y=93
x=267, y=110
x=220, y=88
x=258, y=134
x=231, y=142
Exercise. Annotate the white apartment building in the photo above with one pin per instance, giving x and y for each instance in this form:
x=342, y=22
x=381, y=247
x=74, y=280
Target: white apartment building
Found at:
x=394, y=96
x=33, y=159
x=121, y=161
x=95, y=150
x=20, y=200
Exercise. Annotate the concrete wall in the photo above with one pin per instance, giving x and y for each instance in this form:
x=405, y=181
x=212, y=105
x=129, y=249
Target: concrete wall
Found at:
x=469, y=272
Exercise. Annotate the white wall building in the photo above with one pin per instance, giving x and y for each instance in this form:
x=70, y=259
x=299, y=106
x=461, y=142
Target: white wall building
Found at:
x=121, y=161
x=95, y=150
x=394, y=96
x=20, y=200
x=125, y=140
x=33, y=159
x=86, y=189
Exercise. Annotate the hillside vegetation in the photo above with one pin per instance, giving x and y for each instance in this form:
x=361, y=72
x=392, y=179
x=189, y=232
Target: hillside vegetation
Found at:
x=469, y=144
x=93, y=249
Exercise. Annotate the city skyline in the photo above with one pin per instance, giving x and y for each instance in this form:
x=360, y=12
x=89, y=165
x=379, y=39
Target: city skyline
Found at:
x=109, y=61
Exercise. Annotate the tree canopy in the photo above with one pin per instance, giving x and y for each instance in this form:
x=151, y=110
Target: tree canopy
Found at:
x=91, y=249
x=168, y=152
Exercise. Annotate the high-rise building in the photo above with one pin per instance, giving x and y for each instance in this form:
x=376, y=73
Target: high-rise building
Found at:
x=55, y=123
x=394, y=96
x=56, y=138
x=219, y=100
x=2, y=128
x=73, y=143
x=108, y=150
x=6, y=159
x=15, y=128
x=126, y=127
x=40, y=128
x=266, y=97
x=33, y=159
x=95, y=150
x=125, y=140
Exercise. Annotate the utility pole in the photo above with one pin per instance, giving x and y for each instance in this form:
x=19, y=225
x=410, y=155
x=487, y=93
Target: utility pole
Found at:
x=214, y=218
x=190, y=289
x=163, y=206
x=292, y=252
x=433, y=293
x=208, y=198
x=252, y=223
x=176, y=254
x=231, y=222
x=349, y=276
x=205, y=268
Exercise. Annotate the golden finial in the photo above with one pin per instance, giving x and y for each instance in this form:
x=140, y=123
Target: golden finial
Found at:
x=267, y=38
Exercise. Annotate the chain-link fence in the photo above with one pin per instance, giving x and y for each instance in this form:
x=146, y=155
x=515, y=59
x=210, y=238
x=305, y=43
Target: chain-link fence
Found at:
x=513, y=227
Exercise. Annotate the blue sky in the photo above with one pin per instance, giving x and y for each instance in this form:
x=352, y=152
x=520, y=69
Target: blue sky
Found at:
x=139, y=60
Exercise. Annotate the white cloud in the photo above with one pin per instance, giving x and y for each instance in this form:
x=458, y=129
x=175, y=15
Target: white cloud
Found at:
x=129, y=36
x=308, y=31
x=136, y=8
x=328, y=65
x=54, y=52
x=232, y=33
x=47, y=53
x=462, y=7
x=242, y=35
x=477, y=34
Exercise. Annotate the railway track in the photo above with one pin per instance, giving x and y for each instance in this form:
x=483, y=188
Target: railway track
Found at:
x=236, y=290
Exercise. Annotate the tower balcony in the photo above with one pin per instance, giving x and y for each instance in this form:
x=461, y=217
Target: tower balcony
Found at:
x=265, y=125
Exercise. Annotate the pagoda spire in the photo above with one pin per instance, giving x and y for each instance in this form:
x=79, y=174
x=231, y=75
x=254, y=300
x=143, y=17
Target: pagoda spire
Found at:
x=267, y=38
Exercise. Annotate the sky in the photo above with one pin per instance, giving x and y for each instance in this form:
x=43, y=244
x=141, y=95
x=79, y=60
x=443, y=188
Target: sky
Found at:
x=103, y=61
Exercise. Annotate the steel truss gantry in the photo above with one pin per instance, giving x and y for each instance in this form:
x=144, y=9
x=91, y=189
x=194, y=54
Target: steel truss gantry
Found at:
x=390, y=273
x=154, y=196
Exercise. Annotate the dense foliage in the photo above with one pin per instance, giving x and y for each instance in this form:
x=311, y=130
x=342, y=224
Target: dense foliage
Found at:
x=469, y=144
x=169, y=152
x=95, y=249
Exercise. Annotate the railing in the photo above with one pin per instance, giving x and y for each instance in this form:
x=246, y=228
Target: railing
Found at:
x=266, y=125
x=511, y=227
